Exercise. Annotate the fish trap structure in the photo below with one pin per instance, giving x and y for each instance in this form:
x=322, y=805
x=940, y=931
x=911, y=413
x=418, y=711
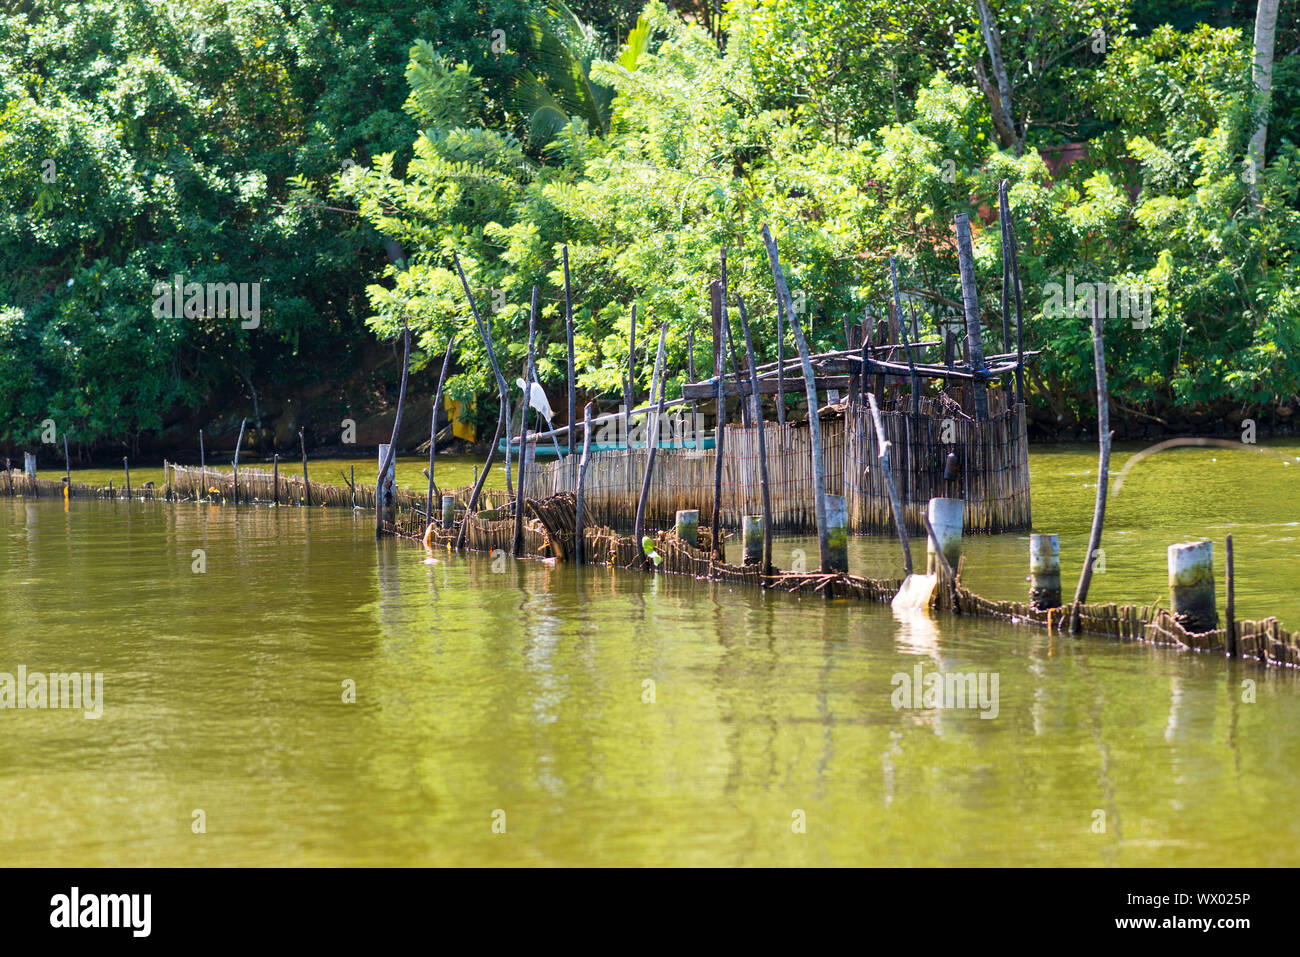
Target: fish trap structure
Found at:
x=939, y=450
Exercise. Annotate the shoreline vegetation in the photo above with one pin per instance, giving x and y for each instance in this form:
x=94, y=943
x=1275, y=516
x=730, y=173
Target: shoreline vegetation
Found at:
x=1148, y=149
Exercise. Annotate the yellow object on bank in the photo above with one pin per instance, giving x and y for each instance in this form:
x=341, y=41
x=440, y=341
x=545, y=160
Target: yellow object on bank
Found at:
x=455, y=410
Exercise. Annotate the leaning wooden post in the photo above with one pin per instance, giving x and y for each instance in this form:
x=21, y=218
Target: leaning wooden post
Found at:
x=525, y=405
x=780, y=362
x=810, y=390
x=306, y=483
x=688, y=526
x=239, y=442
x=971, y=305
x=502, y=414
x=652, y=435
x=433, y=429
x=390, y=464
x=275, y=477
x=568, y=338
x=762, y=441
x=579, y=543
x=1103, y=466
x=67, y=462
x=126, y=466
x=1044, y=571
x=1230, y=608
x=887, y=467
x=1191, y=585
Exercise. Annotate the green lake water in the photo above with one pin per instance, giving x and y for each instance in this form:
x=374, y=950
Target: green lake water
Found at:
x=519, y=692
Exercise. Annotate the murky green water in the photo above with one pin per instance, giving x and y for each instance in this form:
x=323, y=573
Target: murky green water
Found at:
x=522, y=688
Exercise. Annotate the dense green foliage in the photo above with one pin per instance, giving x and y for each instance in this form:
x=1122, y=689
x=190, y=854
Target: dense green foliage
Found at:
x=213, y=139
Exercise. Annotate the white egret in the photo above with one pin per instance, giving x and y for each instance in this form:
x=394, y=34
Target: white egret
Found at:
x=537, y=399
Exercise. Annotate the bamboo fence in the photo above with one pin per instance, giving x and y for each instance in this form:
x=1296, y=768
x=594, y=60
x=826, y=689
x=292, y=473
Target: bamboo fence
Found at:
x=992, y=458
x=683, y=478
x=1264, y=641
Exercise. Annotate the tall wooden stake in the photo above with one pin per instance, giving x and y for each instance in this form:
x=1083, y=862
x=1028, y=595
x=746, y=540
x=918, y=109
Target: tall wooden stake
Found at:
x=1103, y=466
x=629, y=387
x=433, y=429
x=238, y=444
x=526, y=405
x=971, y=305
x=1230, y=611
x=762, y=441
x=579, y=543
x=306, y=482
x=381, y=484
x=67, y=463
x=570, y=437
x=1015, y=285
x=720, y=406
x=502, y=416
x=652, y=436
x=810, y=390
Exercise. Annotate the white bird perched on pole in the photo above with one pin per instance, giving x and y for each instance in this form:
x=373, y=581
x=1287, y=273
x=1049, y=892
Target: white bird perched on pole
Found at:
x=537, y=399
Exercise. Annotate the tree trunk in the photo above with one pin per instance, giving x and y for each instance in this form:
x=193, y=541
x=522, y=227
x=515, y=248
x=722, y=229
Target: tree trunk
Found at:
x=1262, y=73
x=999, y=96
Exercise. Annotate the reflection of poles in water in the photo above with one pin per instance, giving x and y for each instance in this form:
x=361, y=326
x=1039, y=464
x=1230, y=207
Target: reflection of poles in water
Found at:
x=1108, y=805
x=387, y=580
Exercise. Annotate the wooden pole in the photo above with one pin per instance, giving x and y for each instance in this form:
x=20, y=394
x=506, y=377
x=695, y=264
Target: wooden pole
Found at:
x=352, y=484
x=203, y=468
x=275, y=477
x=503, y=393
x=902, y=326
x=762, y=442
x=568, y=336
x=971, y=305
x=1006, y=269
x=126, y=466
x=652, y=436
x=748, y=407
x=690, y=375
x=780, y=362
x=433, y=428
x=579, y=543
x=887, y=468
x=629, y=387
x=306, y=483
x=1103, y=466
x=381, y=490
x=810, y=390
x=720, y=406
x=1015, y=285
x=235, y=465
x=67, y=462
x=1230, y=611
x=525, y=406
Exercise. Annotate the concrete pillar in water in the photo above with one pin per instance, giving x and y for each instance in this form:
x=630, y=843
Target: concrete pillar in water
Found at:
x=946, y=517
x=1191, y=585
x=837, y=528
x=29, y=465
x=688, y=525
x=448, y=511
x=1044, y=571
x=753, y=527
